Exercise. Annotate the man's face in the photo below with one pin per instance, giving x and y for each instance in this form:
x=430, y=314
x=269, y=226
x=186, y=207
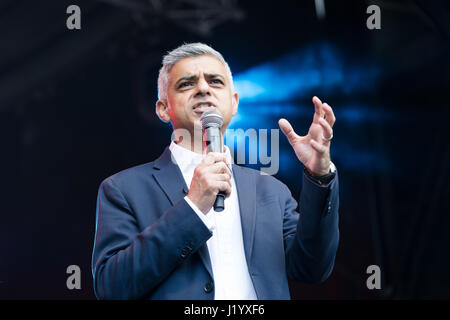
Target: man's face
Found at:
x=197, y=84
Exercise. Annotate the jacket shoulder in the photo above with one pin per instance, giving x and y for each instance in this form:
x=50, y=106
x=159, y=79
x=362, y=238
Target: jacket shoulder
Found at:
x=139, y=172
x=130, y=175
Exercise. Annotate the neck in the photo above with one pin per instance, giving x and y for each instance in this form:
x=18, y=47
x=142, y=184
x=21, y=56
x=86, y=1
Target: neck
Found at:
x=192, y=141
x=194, y=145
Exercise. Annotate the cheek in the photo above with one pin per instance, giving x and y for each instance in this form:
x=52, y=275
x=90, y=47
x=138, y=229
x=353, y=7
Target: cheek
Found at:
x=181, y=112
x=227, y=105
x=176, y=105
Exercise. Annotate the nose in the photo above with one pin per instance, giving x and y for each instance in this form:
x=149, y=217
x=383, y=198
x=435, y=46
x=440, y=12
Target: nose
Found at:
x=202, y=87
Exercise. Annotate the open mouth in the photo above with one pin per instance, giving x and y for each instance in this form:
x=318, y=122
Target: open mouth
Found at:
x=203, y=106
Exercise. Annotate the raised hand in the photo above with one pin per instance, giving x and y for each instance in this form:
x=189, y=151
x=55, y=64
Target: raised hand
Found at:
x=313, y=150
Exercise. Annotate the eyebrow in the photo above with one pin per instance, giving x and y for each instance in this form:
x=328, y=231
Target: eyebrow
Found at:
x=214, y=75
x=194, y=77
x=186, y=78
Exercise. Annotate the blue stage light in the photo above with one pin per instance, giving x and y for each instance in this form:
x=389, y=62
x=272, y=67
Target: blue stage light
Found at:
x=295, y=75
x=284, y=88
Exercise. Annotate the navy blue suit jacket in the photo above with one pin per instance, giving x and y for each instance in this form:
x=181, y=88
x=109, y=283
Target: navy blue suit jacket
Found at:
x=150, y=244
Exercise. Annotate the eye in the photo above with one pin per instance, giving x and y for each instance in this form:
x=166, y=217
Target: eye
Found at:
x=184, y=84
x=216, y=81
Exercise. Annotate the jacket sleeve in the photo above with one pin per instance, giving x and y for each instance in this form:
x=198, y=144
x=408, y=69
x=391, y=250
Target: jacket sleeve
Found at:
x=129, y=264
x=311, y=237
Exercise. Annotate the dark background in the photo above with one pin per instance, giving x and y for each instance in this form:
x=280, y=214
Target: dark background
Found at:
x=77, y=106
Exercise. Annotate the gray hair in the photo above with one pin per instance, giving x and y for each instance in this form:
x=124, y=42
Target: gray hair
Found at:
x=185, y=51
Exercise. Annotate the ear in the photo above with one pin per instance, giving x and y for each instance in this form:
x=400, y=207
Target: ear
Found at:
x=162, y=110
x=235, y=103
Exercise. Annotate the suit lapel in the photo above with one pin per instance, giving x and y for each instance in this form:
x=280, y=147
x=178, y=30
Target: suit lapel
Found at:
x=169, y=177
x=246, y=189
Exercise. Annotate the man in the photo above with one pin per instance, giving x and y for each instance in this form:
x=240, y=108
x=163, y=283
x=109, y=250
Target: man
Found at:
x=158, y=239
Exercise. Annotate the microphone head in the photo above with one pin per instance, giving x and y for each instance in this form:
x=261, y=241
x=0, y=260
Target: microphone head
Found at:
x=211, y=118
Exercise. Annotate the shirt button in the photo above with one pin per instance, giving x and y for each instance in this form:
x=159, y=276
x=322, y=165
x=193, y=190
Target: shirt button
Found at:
x=208, y=287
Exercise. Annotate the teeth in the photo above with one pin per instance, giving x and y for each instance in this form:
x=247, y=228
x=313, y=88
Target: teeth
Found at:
x=203, y=106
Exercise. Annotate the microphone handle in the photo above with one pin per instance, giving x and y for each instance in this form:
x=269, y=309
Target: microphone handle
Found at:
x=214, y=144
x=219, y=204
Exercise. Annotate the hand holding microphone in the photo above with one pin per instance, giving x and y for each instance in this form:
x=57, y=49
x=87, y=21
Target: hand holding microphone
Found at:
x=210, y=177
x=211, y=181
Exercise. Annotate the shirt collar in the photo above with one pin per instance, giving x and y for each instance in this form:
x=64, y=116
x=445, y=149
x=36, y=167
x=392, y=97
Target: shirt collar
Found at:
x=186, y=158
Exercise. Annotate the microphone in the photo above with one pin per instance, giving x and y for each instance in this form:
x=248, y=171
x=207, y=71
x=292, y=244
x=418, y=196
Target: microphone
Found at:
x=212, y=122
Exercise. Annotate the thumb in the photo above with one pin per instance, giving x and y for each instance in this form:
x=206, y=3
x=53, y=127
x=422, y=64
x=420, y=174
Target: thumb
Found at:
x=287, y=129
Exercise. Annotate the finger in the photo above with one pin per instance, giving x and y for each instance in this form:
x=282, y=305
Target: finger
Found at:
x=222, y=177
x=320, y=148
x=328, y=131
x=329, y=114
x=213, y=157
x=319, y=113
x=223, y=186
x=219, y=167
x=220, y=157
x=287, y=129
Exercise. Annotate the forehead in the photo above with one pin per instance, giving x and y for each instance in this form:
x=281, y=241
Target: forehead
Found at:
x=196, y=66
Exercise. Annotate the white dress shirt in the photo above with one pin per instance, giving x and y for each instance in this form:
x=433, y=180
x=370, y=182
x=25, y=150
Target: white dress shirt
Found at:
x=226, y=248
